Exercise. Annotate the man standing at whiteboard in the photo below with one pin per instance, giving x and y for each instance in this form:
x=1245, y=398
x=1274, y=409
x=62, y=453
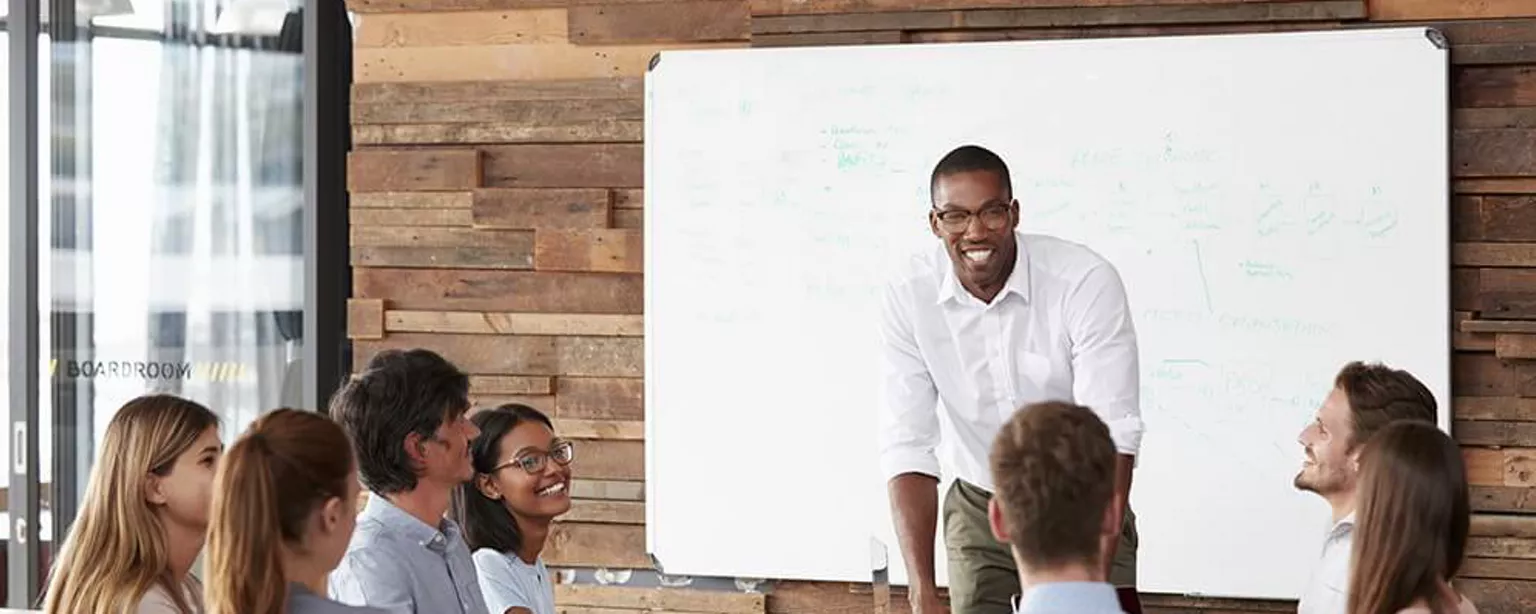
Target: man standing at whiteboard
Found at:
x=986, y=322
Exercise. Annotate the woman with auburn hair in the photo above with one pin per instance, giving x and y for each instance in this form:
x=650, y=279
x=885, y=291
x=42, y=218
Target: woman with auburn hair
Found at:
x=1411, y=525
x=284, y=506
x=144, y=515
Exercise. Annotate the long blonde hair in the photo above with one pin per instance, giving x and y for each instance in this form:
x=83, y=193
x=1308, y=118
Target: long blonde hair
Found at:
x=116, y=549
x=286, y=465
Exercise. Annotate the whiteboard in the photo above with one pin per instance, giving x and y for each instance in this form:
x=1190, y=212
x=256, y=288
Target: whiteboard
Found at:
x=1277, y=205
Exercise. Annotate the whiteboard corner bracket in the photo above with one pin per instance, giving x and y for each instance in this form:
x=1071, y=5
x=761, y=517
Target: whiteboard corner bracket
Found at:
x=1435, y=36
x=655, y=563
x=655, y=60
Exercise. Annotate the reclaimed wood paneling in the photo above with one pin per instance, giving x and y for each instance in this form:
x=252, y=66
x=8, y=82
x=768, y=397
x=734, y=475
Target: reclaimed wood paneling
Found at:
x=1497, y=467
x=1412, y=10
x=1501, y=86
x=606, y=250
x=410, y=200
x=491, y=323
x=601, y=356
x=608, y=460
x=628, y=219
x=1507, y=408
x=1495, y=218
x=546, y=111
x=467, y=29
x=1326, y=10
x=384, y=170
x=1505, y=294
x=596, y=545
x=511, y=258
x=1494, y=254
x=764, y=8
x=615, y=512
x=487, y=354
x=1495, y=117
x=1496, y=153
x=484, y=91
x=816, y=39
x=608, y=490
x=565, y=166
x=501, y=291
x=365, y=318
x=511, y=385
x=670, y=21
x=530, y=208
x=624, y=430
x=1493, y=433
x=561, y=60
x=600, y=398
x=410, y=217
x=1499, y=326
x=666, y=600
x=594, y=131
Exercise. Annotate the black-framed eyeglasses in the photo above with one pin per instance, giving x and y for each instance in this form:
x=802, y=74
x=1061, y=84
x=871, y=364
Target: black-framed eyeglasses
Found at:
x=533, y=462
x=993, y=217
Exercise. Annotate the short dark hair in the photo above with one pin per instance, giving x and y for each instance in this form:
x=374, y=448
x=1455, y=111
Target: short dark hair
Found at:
x=1054, y=466
x=485, y=522
x=400, y=392
x=1380, y=395
x=971, y=158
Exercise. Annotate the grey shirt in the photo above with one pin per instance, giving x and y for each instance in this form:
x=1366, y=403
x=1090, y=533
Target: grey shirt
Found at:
x=303, y=601
x=402, y=565
x=1327, y=592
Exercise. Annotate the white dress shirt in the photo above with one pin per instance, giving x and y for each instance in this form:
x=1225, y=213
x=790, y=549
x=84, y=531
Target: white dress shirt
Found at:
x=955, y=368
x=1328, y=590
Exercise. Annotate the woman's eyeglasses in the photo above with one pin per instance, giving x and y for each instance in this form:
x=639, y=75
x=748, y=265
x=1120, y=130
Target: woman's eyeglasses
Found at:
x=533, y=462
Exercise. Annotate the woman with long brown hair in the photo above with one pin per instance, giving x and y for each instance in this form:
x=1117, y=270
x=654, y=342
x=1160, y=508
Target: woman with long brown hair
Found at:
x=284, y=506
x=144, y=516
x=1411, y=525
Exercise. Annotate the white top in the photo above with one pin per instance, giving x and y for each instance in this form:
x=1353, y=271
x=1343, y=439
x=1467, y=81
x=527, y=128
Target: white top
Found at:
x=1060, y=330
x=507, y=581
x=158, y=601
x=1328, y=590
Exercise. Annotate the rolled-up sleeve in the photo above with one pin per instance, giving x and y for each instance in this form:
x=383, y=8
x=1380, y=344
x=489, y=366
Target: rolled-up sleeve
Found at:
x=1105, y=361
x=909, y=420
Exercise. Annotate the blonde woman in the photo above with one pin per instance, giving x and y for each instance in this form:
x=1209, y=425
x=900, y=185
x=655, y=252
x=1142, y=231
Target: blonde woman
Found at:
x=284, y=506
x=144, y=516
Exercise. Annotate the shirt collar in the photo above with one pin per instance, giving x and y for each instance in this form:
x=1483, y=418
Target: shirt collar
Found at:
x=1075, y=597
x=1018, y=280
x=432, y=538
x=1344, y=525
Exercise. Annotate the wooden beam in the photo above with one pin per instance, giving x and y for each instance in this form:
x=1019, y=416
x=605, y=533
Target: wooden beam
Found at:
x=669, y=21
x=1499, y=326
x=1505, y=408
x=1493, y=568
x=608, y=490
x=1495, y=185
x=1499, y=596
x=561, y=60
x=410, y=217
x=1079, y=16
x=613, y=512
x=603, y=459
x=824, y=39
x=513, y=258
x=1501, y=86
x=600, y=398
x=1462, y=340
x=511, y=384
x=1514, y=346
x=467, y=28
x=481, y=92
x=1108, y=31
x=494, y=291
x=534, y=208
x=1494, y=254
x=1466, y=291
x=1413, y=10
x=501, y=323
x=1503, y=525
x=1500, y=467
x=1506, y=294
x=1494, y=218
x=1493, y=433
x=365, y=318
x=436, y=236
x=619, y=165
x=628, y=219
x=601, y=356
x=807, y=7
x=1501, y=547
x=600, y=429
x=603, y=250
x=1493, y=153
x=536, y=111
x=634, y=198
x=593, y=131
x=477, y=354
x=543, y=403
x=1495, y=118
x=664, y=599
x=1484, y=375
x=596, y=545
x=392, y=170
x=1503, y=499
x=410, y=200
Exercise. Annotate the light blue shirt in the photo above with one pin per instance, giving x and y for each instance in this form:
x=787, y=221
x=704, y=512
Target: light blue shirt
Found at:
x=1070, y=598
x=402, y=565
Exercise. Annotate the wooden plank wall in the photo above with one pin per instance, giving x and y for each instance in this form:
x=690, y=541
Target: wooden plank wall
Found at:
x=496, y=217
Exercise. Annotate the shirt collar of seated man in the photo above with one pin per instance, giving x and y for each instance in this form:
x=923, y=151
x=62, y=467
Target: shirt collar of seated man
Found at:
x=1054, y=466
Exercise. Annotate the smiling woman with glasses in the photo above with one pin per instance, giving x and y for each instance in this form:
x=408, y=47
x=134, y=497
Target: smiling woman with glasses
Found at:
x=522, y=482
